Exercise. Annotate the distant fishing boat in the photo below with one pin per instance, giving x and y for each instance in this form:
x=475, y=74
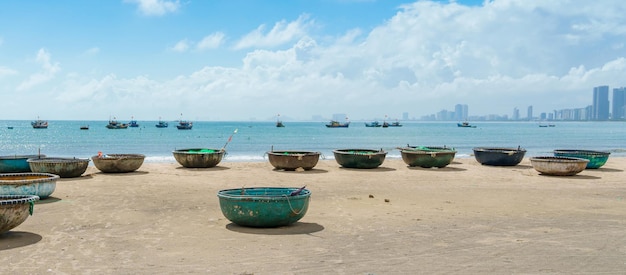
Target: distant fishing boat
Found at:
x=133, y=123
x=161, y=124
x=39, y=124
x=337, y=124
x=184, y=125
x=84, y=127
x=279, y=123
x=465, y=124
x=114, y=124
x=395, y=124
x=373, y=124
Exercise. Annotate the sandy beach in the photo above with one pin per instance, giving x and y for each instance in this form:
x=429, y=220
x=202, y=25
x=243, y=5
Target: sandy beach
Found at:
x=462, y=219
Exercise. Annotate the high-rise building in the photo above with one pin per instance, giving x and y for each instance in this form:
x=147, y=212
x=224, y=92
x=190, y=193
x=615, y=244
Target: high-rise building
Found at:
x=460, y=111
x=405, y=116
x=515, y=113
x=530, y=113
x=600, y=103
x=619, y=104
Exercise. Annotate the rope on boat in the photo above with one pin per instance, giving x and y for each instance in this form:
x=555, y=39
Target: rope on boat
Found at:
x=291, y=207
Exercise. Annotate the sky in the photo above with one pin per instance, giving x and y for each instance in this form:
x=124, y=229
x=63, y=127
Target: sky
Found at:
x=236, y=60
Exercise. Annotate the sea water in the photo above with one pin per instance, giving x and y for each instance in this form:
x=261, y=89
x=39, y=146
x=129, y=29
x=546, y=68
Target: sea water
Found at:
x=253, y=139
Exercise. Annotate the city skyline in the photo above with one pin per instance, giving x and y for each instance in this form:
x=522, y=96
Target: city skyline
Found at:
x=249, y=60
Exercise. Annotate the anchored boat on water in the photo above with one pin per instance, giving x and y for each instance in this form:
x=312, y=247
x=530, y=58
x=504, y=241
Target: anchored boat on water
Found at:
x=39, y=124
x=114, y=124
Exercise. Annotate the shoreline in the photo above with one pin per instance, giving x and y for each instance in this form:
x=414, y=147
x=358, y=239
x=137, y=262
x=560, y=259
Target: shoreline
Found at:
x=464, y=218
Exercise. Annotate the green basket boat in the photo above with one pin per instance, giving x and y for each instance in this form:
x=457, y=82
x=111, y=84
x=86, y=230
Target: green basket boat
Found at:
x=596, y=158
x=427, y=156
x=264, y=206
x=360, y=158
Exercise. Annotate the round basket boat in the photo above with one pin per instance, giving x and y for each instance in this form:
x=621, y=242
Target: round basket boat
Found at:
x=118, y=163
x=37, y=184
x=64, y=167
x=499, y=156
x=359, y=158
x=596, y=158
x=198, y=157
x=264, y=206
x=427, y=156
x=558, y=166
x=14, y=209
x=16, y=163
x=292, y=160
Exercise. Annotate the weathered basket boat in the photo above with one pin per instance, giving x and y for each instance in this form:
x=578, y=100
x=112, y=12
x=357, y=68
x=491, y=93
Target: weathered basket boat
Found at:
x=198, y=157
x=596, y=158
x=64, y=167
x=264, y=206
x=37, y=184
x=118, y=163
x=558, y=166
x=16, y=163
x=427, y=156
x=499, y=156
x=14, y=209
x=359, y=158
x=292, y=160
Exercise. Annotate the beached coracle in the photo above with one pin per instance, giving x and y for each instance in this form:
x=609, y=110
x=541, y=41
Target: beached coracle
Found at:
x=499, y=156
x=264, y=206
x=16, y=163
x=427, y=156
x=14, y=209
x=64, y=167
x=37, y=184
x=292, y=160
x=558, y=166
x=118, y=163
x=198, y=157
x=596, y=158
x=359, y=158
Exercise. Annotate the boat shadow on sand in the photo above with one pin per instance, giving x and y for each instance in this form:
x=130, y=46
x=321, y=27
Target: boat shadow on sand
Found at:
x=214, y=168
x=442, y=169
x=377, y=169
x=292, y=229
x=129, y=174
x=15, y=239
x=311, y=171
x=49, y=199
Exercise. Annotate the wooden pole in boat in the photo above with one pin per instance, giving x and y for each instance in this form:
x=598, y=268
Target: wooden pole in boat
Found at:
x=229, y=139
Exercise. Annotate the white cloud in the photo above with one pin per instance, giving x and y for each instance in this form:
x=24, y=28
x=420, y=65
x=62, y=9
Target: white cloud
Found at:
x=212, y=41
x=282, y=32
x=92, y=51
x=181, y=46
x=427, y=57
x=47, y=72
x=4, y=71
x=156, y=7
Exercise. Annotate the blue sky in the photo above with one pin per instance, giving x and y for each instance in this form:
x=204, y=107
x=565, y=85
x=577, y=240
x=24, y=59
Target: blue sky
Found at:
x=241, y=60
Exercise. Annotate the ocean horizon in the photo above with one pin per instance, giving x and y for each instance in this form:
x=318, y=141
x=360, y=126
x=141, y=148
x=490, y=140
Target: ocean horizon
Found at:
x=64, y=138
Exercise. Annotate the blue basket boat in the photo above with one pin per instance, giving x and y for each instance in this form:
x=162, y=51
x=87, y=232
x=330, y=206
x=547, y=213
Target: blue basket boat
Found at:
x=264, y=206
x=37, y=184
x=16, y=163
x=596, y=158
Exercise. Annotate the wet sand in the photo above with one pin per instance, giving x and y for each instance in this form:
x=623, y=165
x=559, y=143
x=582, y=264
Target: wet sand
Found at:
x=462, y=219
